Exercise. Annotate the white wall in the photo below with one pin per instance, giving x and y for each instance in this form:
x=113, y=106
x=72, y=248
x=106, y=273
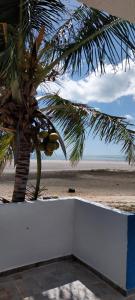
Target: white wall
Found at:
x=33, y=232
x=39, y=231
x=100, y=240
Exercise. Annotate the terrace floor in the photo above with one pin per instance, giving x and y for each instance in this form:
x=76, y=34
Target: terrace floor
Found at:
x=64, y=280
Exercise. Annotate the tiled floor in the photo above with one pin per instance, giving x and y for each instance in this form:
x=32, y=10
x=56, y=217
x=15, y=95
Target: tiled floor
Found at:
x=65, y=280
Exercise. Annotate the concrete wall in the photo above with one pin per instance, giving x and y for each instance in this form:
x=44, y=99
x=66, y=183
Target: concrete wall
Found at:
x=43, y=230
x=101, y=240
x=33, y=232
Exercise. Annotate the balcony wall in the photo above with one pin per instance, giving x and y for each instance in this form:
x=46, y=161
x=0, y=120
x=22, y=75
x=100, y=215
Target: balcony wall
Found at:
x=34, y=232
x=101, y=237
x=101, y=240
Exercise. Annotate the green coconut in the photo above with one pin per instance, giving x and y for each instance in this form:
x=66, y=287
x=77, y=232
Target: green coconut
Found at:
x=50, y=146
x=48, y=152
x=56, y=145
x=43, y=134
x=53, y=137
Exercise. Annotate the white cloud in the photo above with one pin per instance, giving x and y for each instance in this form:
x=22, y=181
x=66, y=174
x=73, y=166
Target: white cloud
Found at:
x=97, y=108
x=106, y=88
x=129, y=117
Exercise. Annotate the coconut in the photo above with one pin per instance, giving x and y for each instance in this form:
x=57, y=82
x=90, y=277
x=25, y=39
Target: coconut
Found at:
x=50, y=146
x=56, y=145
x=53, y=137
x=43, y=134
x=48, y=152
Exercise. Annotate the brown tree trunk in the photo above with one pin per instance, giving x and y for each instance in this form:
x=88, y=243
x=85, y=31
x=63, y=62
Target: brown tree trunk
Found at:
x=22, y=170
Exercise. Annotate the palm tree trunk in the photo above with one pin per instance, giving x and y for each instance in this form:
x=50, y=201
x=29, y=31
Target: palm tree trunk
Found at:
x=22, y=170
x=38, y=178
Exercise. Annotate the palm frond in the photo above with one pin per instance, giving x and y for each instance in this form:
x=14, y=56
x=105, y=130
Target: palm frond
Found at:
x=19, y=23
x=6, y=153
x=93, y=38
x=30, y=192
x=7, y=54
x=114, y=129
x=35, y=13
x=76, y=120
x=70, y=120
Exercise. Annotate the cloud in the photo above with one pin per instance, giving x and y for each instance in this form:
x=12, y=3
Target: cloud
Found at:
x=97, y=108
x=96, y=88
x=129, y=117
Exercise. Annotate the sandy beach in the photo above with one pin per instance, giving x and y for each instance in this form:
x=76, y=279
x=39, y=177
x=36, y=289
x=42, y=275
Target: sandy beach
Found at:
x=109, y=182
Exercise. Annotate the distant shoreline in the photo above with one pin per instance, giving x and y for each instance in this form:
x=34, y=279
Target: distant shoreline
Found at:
x=84, y=165
x=89, y=158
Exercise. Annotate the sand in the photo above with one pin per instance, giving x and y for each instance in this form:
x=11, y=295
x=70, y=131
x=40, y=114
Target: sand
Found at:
x=111, y=183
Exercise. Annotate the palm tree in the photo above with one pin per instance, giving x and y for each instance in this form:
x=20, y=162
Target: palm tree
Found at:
x=35, y=49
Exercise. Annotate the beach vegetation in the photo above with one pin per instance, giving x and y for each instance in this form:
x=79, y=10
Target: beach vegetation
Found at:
x=39, y=42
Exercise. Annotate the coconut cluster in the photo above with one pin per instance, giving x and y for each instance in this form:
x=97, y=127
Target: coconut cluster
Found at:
x=49, y=142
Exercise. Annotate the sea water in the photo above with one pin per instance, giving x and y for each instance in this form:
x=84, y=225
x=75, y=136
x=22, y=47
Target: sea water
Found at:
x=86, y=157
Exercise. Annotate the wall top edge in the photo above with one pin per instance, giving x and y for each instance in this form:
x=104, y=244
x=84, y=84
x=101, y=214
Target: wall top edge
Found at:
x=106, y=207
x=78, y=199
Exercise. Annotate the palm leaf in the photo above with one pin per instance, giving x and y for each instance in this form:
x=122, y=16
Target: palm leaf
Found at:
x=93, y=39
x=19, y=22
x=76, y=120
x=35, y=13
x=6, y=153
x=7, y=53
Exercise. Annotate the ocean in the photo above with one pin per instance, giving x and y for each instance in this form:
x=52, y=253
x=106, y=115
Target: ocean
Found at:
x=104, y=157
x=87, y=157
